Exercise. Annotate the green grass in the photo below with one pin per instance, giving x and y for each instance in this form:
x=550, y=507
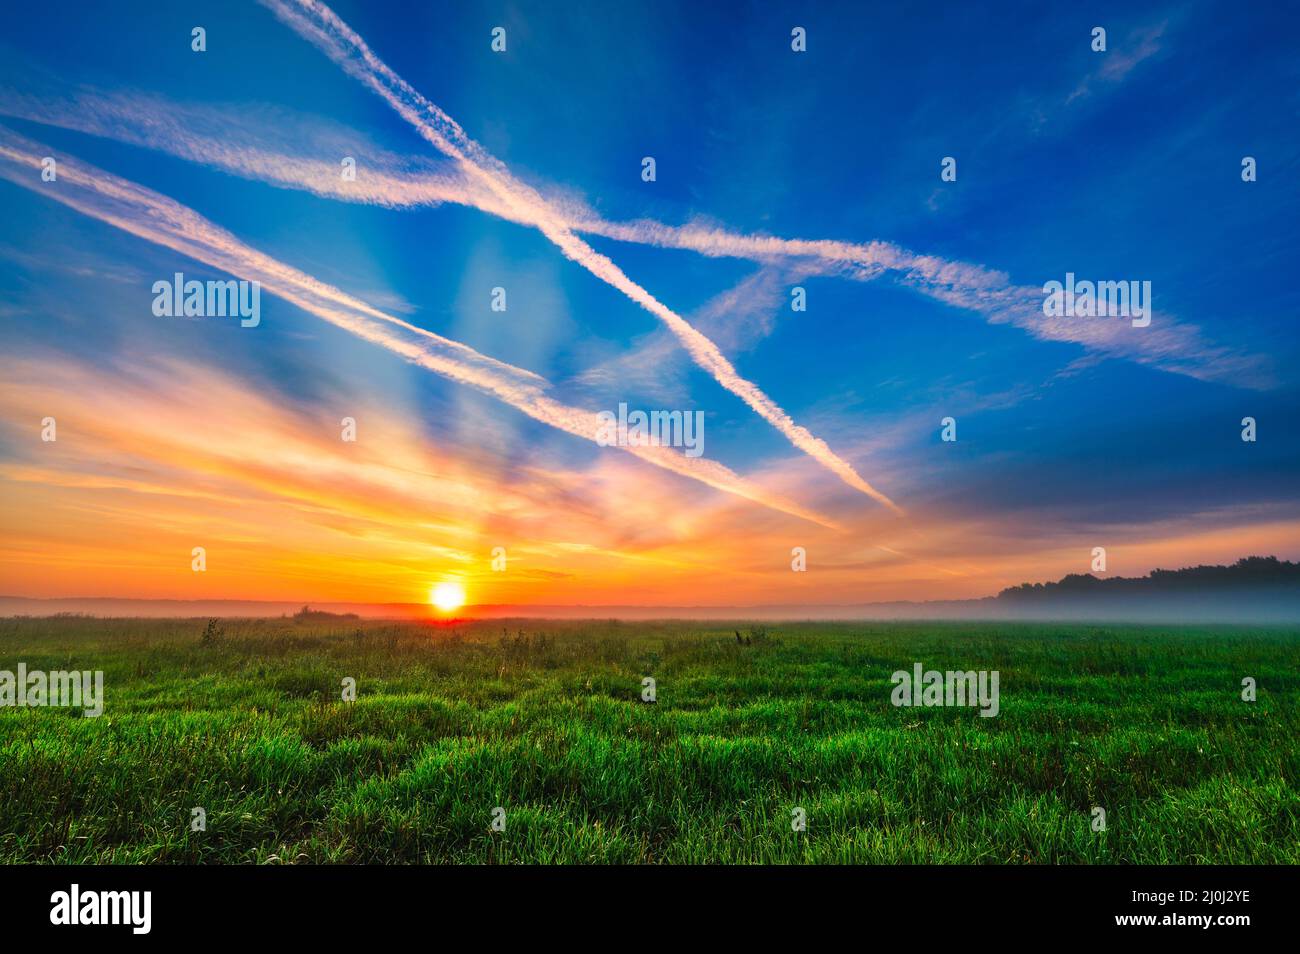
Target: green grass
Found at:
x=451, y=722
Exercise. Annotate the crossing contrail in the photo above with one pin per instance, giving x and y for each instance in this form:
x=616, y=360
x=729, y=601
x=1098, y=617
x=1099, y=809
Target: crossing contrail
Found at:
x=317, y=23
x=230, y=141
x=163, y=221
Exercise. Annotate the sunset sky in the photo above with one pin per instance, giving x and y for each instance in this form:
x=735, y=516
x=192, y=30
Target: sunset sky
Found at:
x=774, y=169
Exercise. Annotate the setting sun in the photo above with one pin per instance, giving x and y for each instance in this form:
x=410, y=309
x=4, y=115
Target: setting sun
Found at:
x=447, y=596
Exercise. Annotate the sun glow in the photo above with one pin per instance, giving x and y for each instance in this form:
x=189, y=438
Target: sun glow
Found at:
x=448, y=596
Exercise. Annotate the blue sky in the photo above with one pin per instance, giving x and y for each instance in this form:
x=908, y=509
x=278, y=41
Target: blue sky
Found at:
x=1123, y=164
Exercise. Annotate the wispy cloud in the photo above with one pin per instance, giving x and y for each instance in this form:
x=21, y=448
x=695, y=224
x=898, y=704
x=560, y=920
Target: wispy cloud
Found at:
x=1120, y=59
x=235, y=141
x=321, y=26
x=259, y=142
x=156, y=218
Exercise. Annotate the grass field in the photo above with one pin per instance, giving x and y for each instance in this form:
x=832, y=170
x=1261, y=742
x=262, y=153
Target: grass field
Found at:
x=452, y=721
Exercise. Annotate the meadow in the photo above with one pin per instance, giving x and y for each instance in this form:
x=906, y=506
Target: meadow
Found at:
x=245, y=719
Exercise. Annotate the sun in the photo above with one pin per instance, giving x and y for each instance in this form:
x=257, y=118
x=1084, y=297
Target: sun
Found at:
x=447, y=596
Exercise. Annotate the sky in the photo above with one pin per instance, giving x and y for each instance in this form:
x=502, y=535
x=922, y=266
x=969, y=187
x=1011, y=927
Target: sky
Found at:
x=522, y=169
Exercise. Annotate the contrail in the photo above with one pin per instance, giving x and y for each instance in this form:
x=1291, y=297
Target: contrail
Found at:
x=158, y=219
x=232, y=145
x=317, y=23
x=277, y=151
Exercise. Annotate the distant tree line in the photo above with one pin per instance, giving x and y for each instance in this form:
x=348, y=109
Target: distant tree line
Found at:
x=1247, y=573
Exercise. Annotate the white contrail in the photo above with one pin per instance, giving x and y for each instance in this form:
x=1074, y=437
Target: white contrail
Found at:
x=158, y=219
x=261, y=143
x=319, y=24
x=233, y=143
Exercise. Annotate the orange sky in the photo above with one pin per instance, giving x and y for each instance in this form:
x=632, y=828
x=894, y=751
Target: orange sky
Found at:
x=286, y=510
